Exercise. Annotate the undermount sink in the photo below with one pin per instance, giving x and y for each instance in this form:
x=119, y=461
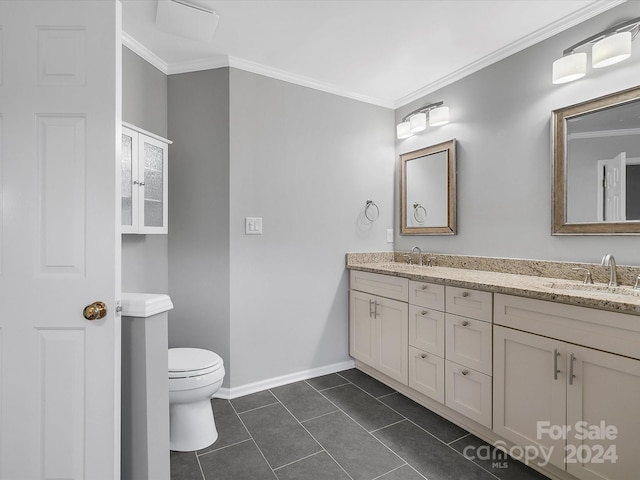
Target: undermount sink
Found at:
x=601, y=289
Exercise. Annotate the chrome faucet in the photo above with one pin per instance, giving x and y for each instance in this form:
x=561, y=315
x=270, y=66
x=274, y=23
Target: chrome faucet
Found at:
x=419, y=254
x=609, y=261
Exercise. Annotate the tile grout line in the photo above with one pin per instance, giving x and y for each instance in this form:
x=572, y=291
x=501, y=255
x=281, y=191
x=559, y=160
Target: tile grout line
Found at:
x=301, y=458
x=367, y=431
x=200, y=467
x=457, y=439
x=410, y=421
x=223, y=448
x=405, y=465
x=256, y=408
x=314, y=438
x=448, y=445
x=251, y=436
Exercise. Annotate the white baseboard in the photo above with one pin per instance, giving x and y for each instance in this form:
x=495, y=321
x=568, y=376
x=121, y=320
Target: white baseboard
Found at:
x=234, y=392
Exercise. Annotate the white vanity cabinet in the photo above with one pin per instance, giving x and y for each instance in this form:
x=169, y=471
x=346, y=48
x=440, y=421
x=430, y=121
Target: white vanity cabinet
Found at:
x=468, y=366
x=144, y=184
x=378, y=325
x=543, y=376
x=426, y=339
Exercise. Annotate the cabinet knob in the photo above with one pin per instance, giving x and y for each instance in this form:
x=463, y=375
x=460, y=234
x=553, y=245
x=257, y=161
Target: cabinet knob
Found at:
x=465, y=323
x=465, y=294
x=424, y=355
x=464, y=372
x=424, y=287
x=424, y=312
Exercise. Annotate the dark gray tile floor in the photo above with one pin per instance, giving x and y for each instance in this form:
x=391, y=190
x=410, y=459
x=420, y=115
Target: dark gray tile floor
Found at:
x=343, y=426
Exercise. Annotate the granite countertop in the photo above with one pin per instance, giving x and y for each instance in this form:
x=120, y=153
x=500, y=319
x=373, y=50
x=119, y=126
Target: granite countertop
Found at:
x=562, y=290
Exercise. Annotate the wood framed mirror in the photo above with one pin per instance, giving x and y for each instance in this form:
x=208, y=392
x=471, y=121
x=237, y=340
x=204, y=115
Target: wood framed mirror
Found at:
x=428, y=190
x=596, y=166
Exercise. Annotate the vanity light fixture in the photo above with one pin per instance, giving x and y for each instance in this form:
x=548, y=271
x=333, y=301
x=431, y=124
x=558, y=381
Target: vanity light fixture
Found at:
x=416, y=121
x=609, y=47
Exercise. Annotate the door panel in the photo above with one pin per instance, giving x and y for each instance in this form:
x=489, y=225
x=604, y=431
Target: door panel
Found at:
x=59, y=250
x=393, y=339
x=524, y=375
x=604, y=395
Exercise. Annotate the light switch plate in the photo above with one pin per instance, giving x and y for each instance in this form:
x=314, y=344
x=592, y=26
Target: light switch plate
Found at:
x=253, y=225
x=389, y=235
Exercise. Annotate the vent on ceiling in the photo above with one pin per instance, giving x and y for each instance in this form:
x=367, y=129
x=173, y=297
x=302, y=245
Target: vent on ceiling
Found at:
x=189, y=20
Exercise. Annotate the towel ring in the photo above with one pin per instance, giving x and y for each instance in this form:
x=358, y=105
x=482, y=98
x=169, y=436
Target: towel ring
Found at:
x=416, y=208
x=369, y=204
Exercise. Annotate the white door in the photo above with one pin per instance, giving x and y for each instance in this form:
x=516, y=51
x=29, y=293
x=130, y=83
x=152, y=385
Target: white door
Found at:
x=59, y=139
x=612, y=184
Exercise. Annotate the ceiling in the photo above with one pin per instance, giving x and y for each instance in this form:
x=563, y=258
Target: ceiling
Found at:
x=385, y=52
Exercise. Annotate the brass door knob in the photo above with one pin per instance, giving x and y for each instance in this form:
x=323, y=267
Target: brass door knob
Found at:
x=95, y=311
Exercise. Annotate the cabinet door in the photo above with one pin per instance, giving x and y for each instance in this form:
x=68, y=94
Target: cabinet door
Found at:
x=468, y=392
x=426, y=374
x=153, y=211
x=362, y=327
x=469, y=342
x=393, y=338
x=604, y=394
x=426, y=330
x=529, y=386
x=129, y=174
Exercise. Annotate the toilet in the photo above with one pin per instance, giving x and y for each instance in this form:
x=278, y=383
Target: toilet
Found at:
x=195, y=375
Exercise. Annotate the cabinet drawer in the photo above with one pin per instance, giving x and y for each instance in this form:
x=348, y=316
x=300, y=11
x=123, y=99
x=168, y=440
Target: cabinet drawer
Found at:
x=426, y=329
x=426, y=374
x=469, y=342
x=427, y=295
x=383, y=285
x=469, y=303
x=608, y=331
x=468, y=392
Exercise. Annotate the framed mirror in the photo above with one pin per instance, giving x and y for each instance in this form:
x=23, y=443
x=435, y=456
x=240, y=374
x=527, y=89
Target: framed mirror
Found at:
x=596, y=166
x=428, y=190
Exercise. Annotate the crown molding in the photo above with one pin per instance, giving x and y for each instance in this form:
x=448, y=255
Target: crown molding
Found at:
x=604, y=133
x=142, y=51
x=221, y=61
x=208, y=63
x=301, y=80
x=539, y=35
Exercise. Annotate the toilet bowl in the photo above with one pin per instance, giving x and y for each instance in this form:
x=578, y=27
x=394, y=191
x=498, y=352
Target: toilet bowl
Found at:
x=195, y=375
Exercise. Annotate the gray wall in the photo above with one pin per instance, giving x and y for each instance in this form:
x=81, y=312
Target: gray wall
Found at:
x=199, y=212
x=306, y=161
x=144, y=103
x=501, y=119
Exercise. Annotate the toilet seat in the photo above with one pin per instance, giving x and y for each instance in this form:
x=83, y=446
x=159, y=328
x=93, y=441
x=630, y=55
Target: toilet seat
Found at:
x=192, y=362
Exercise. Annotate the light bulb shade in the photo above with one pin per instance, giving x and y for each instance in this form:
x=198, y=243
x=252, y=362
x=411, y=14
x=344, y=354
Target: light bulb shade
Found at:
x=438, y=116
x=610, y=50
x=403, y=130
x=418, y=122
x=570, y=68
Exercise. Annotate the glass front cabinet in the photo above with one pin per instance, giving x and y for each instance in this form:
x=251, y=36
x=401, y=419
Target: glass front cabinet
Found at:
x=144, y=181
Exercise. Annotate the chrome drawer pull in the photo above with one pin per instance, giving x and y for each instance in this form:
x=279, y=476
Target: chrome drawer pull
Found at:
x=571, y=375
x=556, y=354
